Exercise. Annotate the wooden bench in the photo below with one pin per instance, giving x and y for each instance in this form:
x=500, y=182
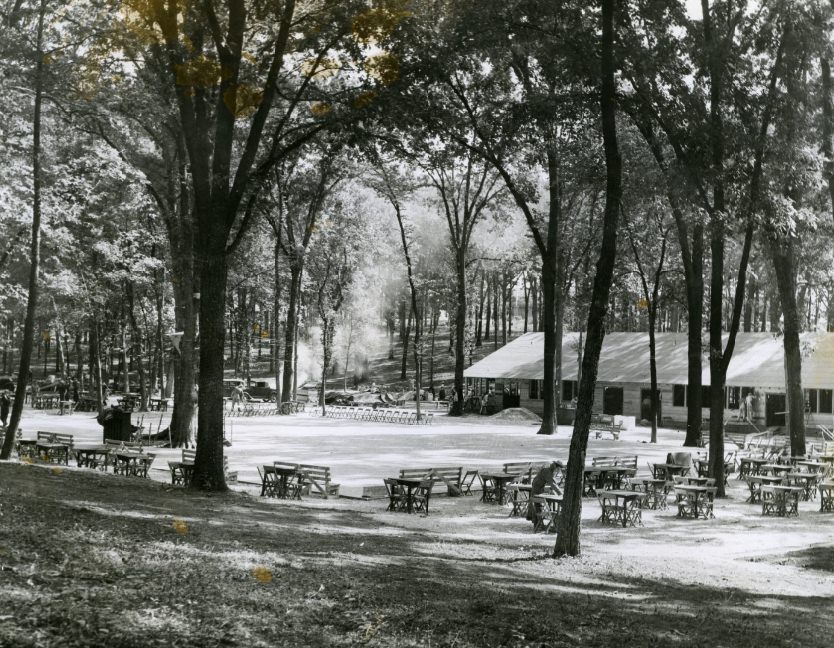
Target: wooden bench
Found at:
x=526, y=470
x=604, y=424
x=627, y=461
x=452, y=476
x=56, y=455
x=317, y=480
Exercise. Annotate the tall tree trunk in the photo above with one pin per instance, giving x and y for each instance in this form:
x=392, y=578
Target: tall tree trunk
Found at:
x=479, y=325
x=828, y=128
x=406, y=334
x=35, y=250
x=784, y=266
x=534, y=292
x=495, y=309
x=137, y=341
x=185, y=318
x=208, y=464
x=276, y=309
x=488, y=309
x=694, y=305
x=460, y=324
x=290, y=369
x=567, y=540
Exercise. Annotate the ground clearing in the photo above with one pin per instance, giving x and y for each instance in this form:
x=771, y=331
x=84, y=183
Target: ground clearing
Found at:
x=90, y=559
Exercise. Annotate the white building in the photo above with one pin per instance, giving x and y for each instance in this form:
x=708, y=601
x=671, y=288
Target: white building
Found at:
x=623, y=381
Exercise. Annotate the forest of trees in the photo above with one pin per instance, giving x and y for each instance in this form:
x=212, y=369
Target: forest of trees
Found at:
x=262, y=178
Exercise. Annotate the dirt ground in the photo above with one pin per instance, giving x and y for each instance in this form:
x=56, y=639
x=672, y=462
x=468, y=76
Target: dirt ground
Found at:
x=88, y=559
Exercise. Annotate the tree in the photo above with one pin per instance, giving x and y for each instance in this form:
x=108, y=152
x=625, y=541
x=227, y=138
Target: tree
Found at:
x=216, y=88
x=567, y=540
x=654, y=221
x=34, y=256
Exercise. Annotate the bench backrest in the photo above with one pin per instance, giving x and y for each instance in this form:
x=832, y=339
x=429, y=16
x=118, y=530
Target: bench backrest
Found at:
x=188, y=456
x=627, y=461
x=526, y=469
x=450, y=473
x=55, y=437
x=316, y=472
x=285, y=465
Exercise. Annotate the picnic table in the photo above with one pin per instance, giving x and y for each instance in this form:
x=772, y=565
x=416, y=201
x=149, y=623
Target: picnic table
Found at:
x=409, y=486
x=775, y=469
x=694, y=501
x=620, y=507
x=667, y=471
x=52, y=452
x=755, y=483
x=548, y=507
x=495, y=486
x=807, y=481
x=281, y=482
x=604, y=478
x=751, y=466
x=826, y=490
x=812, y=466
x=97, y=456
x=27, y=448
x=654, y=492
x=129, y=462
x=781, y=501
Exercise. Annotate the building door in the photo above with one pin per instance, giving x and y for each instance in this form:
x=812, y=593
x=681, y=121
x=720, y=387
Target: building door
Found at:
x=612, y=400
x=774, y=409
x=646, y=405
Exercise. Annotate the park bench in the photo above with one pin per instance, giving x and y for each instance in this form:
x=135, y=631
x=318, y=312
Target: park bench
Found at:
x=55, y=446
x=452, y=476
x=603, y=424
x=526, y=470
x=626, y=461
x=317, y=479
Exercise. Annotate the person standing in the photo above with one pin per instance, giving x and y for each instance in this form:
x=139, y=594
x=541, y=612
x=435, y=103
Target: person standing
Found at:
x=748, y=407
x=5, y=404
x=237, y=397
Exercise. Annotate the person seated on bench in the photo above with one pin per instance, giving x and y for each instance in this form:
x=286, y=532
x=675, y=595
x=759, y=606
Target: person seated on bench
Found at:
x=548, y=476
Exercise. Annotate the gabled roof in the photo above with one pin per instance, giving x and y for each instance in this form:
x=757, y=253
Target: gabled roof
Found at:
x=757, y=360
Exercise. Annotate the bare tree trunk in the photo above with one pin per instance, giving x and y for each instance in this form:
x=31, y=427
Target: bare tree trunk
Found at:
x=567, y=540
x=35, y=250
x=784, y=265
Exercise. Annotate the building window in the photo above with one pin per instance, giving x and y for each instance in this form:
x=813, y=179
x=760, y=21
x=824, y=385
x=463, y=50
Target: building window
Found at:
x=679, y=395
x=534, y=390
x=824, y=401
x=811, y=401
x=733, y=397
x=569, y=390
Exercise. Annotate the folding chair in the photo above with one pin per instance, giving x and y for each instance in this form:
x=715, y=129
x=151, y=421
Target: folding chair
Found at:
x=422, y=495
x=467, y=482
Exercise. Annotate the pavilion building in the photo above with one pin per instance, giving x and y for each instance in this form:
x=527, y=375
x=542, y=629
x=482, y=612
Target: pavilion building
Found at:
x=623, y=381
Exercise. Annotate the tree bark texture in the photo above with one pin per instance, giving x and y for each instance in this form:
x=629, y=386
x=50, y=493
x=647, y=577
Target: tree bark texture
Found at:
x=568, y=538
x=784, y=266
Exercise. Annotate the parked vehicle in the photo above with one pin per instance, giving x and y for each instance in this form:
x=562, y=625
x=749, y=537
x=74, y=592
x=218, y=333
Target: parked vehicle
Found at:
x=230, y=383
x=261, y=390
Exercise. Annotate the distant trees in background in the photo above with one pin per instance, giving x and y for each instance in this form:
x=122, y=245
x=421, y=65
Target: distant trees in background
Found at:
x=206, y=174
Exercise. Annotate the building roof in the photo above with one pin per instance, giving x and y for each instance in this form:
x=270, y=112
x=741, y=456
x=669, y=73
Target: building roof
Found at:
x=756, y=362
